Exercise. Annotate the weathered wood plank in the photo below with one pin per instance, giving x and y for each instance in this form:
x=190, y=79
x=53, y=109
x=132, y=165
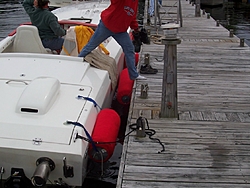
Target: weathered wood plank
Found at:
x=149, y=184
x=208, y=145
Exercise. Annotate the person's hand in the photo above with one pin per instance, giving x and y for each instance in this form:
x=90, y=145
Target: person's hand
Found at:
x=137, y=30
x=35, y=3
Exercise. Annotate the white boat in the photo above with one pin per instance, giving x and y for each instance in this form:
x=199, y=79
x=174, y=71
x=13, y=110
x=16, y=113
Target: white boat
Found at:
x=212, y=2
x=40, y=93
x=61, y=3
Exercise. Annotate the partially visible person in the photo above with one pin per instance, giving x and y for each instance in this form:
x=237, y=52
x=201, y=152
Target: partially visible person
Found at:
x=115, y=21
x=46, y=22
x=151, y=8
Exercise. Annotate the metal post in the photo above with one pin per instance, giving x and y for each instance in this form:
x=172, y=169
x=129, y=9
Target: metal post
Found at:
x=180, y=14
x=231, y=33
x=197, y=8
x=140, y=130
x=155, y=11
x=169, y=105
x=146, y=59
x=217, y=23
x=144, y=91
x=148, y=32
x=242, y=42
x=148, y=16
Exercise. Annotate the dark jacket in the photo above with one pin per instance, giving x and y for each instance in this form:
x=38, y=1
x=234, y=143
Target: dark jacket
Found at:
x=45, y=21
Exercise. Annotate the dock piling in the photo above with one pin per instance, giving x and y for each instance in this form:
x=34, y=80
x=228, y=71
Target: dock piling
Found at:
x=197, y=8
x=169, y=105
x=242, y=40
x=217, y=23
x=231, y=33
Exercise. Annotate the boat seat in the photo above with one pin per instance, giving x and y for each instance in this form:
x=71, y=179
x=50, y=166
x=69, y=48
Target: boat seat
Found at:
x=27, y=40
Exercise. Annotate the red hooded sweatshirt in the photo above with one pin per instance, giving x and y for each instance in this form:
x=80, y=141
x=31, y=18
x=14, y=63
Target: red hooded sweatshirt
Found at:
x=120, y=15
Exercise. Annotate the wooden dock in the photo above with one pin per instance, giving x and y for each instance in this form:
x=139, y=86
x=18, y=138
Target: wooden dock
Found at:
x=209, y=144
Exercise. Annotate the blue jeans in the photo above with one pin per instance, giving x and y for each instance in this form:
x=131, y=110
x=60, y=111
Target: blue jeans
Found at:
x=151, y=8
x=53, y=44
x=123, y=39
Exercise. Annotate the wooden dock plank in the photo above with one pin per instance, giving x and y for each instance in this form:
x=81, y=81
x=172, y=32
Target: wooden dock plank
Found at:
x=208, y=145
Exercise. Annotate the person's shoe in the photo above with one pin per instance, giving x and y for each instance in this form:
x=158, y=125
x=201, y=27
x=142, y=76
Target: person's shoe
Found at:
x=144, y=36
x=147, y=69
x=141, y=78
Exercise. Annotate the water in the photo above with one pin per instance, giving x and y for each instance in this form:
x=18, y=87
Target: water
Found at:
x=233, y=15
x=11, y=15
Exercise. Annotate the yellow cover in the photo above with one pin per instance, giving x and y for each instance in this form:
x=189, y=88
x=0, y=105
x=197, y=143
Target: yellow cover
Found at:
x=83, y=35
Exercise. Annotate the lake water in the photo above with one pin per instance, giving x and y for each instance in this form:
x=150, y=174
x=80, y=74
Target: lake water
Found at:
x=11, y=15
x=231, y=15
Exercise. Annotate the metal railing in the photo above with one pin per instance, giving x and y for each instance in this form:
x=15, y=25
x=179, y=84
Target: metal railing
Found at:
x=172, y=12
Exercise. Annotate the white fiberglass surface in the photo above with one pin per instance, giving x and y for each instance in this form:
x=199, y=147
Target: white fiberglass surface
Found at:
x=29, y=67
x=88, y=10
x=28, y=125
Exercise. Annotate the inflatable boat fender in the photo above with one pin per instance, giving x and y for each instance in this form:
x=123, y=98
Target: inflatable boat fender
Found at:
x=104, y=135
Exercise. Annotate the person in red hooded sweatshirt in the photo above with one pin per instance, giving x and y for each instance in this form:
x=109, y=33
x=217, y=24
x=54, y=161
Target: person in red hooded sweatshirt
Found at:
x=115, y=21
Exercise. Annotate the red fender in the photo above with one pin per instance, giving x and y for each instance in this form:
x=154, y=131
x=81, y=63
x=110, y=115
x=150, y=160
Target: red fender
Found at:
x=105, y=132
x=125, y=86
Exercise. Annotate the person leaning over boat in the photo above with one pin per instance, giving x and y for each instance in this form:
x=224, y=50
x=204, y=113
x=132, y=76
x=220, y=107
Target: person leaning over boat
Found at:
x=46, y=22
x=115, y=21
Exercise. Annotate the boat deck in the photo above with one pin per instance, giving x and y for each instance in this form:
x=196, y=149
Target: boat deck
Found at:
x=208, y=145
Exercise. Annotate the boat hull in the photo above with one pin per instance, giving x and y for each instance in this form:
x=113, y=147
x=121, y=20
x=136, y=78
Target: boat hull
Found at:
x=41, y=93
x=26, y=134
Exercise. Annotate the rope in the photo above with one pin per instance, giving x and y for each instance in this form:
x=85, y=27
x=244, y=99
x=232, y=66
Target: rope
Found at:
x=90, y=100
x=156, y=38
x=152, y=133
x=148, y=131
x=86, y=132
x=134, y=127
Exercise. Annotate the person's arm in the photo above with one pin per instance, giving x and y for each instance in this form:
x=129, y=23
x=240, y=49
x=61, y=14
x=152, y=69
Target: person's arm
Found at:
x=28, y=6
x=134, y=25
x=55, y=26
x=114, y=1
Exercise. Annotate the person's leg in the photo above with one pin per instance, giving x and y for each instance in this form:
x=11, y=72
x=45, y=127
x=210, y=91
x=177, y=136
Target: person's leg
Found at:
x=125, y=42
x=53, y=44
x=101, y=33
x=151, y=8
